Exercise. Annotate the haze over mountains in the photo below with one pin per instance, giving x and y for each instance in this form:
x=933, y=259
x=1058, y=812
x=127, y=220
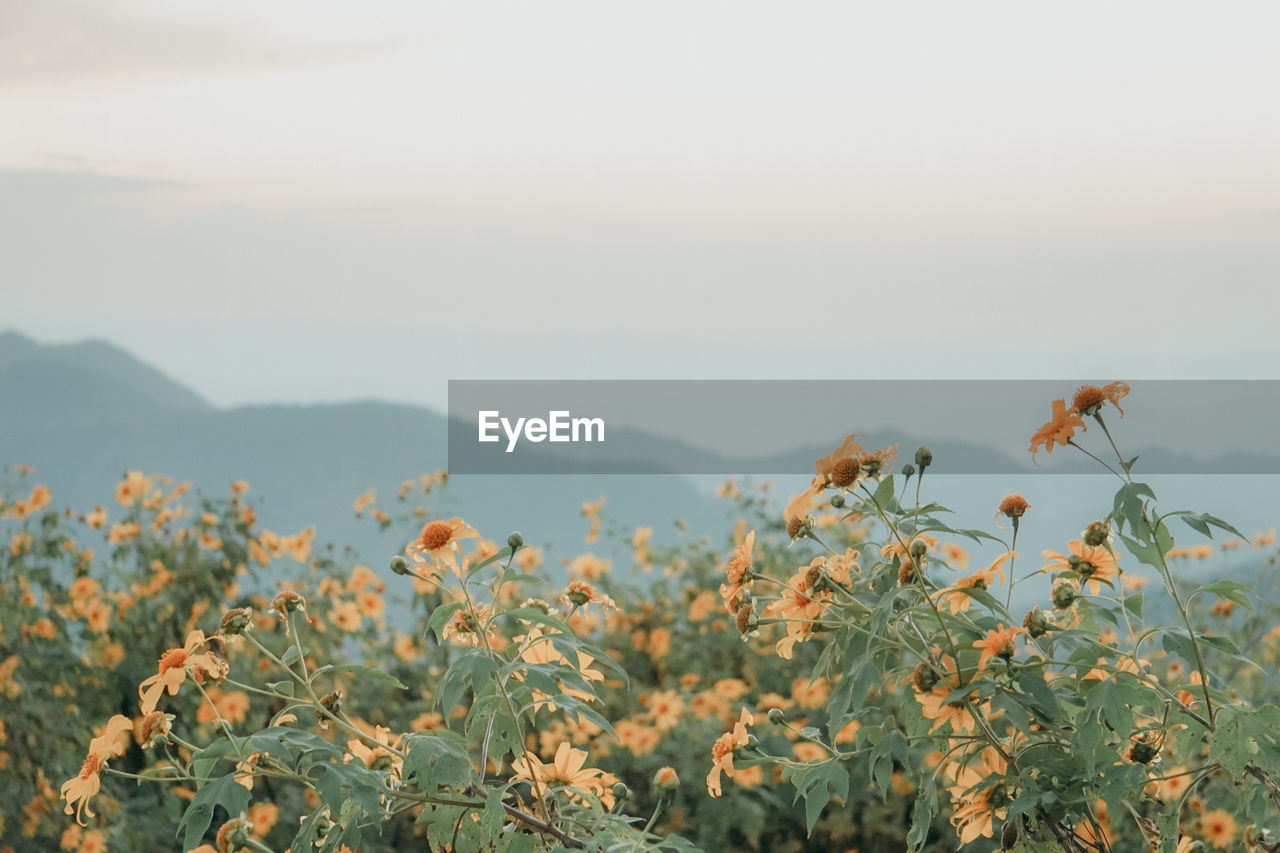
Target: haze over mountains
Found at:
x=83, y=413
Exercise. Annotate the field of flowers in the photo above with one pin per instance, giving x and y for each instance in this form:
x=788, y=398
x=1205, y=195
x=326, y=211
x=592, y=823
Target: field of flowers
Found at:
x=834, y=676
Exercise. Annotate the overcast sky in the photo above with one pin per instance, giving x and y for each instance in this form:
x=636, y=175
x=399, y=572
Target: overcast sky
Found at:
x=318, y=200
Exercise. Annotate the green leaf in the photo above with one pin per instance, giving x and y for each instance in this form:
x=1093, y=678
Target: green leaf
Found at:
x=441, y=616
x=385, y=678
x=1246, y=736
x=1228, y=590
x=224, y=791
x=292, y=655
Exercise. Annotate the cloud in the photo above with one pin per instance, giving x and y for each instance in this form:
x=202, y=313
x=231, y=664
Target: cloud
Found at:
x=67, y=41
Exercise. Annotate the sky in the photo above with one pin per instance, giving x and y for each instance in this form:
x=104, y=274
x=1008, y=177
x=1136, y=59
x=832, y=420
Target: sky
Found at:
x=313, y=201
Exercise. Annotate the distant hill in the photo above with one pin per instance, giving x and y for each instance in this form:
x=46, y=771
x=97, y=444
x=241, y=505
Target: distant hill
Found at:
x=43, y=384
x=84, y=413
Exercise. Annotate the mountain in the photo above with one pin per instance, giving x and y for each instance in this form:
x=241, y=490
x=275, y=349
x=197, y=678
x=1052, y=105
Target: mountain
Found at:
x=84, y=413
x=42, y=384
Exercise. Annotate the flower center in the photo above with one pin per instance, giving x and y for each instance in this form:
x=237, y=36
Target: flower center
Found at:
x=173, y=659
x=90, y=766
x=435, y=535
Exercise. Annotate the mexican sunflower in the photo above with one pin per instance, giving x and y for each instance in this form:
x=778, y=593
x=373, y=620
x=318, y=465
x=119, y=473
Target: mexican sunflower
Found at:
x=438, y=541
x=1059, y=429
x=957, y=597
x=847, y=452
x=736, y=573
x=379, y=757
x=173, y=671
x=934, y=706
x=1089, y=398
x=567, y=770
x=998, y=643
x=722, y=752
x=78, y=790
x=1094, y=565
x=800, y=607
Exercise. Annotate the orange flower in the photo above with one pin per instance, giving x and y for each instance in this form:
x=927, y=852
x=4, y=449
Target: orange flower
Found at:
x=363, y=502
x=79, y=790
x=848, y=450
x=722, y=752
x=1093, y=565
x=933, y=706
x=1058, y=430
x=797, y=510
x=736, y=571
x=800, y=606
x=381, y=757
x=1089, y=398
x=173, y=671
x=439, y=540
x=997, y=643
x=1013, y=506
x=957, y=597
x=134, y=486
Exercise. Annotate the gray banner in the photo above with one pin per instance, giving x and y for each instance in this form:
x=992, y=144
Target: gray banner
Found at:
x=779, y=427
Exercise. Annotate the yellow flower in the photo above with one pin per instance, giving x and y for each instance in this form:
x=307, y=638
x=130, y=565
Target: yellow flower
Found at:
x=568, y=770
x=1094, y=566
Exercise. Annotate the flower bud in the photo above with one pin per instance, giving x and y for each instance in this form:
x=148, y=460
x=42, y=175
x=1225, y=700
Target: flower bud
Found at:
x=924, y=457
x=1097, y=533
x=621, y=791
x=235, y=621
x=332, y=702
x=837, y=501
x=1013, y=506
x=515, y=541
x=1064, y=595
x=1036, y=623
x=918, y=548
x=233, y=834
x=666, y=779
x=288, y=602
x=399, y=565
x=1142, y=752
x=777, y=716
x=908, y=470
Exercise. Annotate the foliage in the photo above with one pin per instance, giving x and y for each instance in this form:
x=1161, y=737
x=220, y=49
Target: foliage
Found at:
x=833, y=681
